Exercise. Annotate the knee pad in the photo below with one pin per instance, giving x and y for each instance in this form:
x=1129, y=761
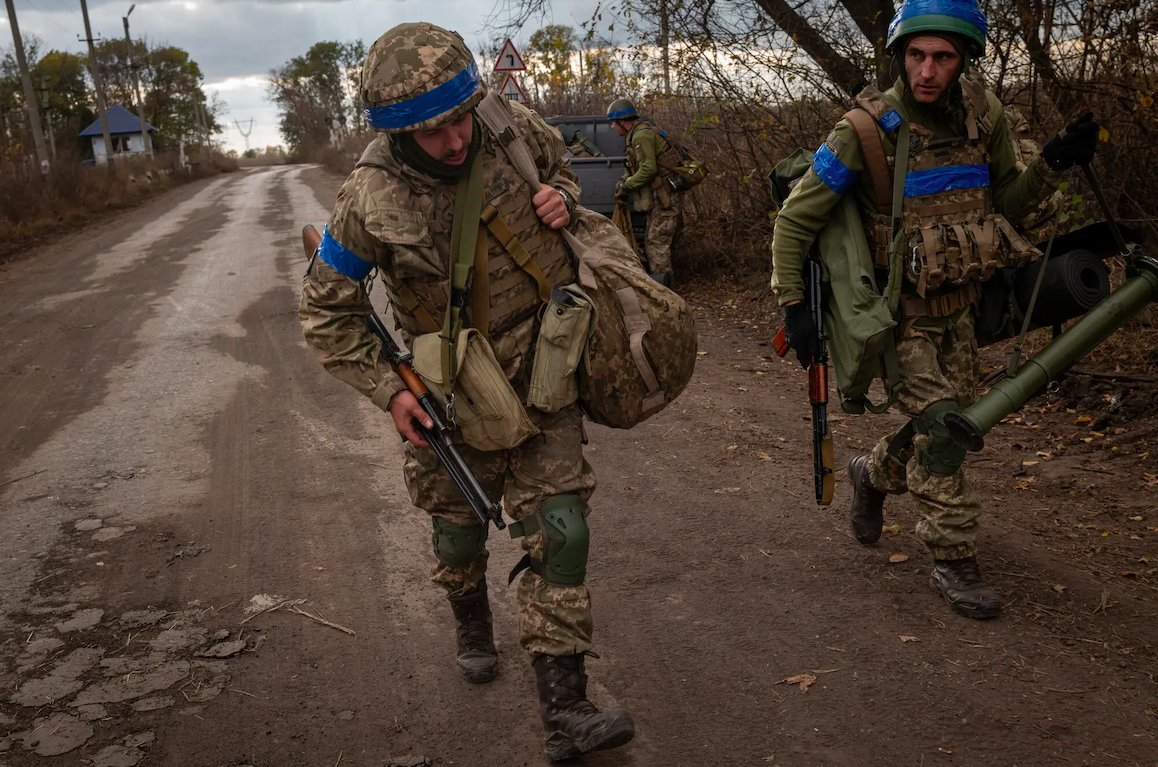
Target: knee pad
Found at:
x=943, y=457
x=457, y=546
x=566, y=540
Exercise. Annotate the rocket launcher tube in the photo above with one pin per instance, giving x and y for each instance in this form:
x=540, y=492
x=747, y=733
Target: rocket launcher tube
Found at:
x=969, y=426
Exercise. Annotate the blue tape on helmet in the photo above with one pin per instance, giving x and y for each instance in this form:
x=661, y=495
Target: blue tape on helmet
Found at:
x=966, y=10
x=919, y=183
x=632, y=112
x=834, y=173
x=342, y=259
x=891, y=120
x=434, y=102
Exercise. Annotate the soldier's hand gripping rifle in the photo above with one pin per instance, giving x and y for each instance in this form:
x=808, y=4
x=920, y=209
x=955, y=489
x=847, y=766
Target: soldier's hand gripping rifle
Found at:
x=822, y=458
x=438, y=436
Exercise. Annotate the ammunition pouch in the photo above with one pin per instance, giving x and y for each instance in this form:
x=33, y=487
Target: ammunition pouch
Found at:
x=562, y=339
x=486, y=410
x=943, y=457
x=457, y=546
x=941, y=306
x=566, y=540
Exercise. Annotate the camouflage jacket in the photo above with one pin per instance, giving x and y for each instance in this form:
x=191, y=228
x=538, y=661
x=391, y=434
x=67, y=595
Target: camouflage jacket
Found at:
x=1013, y=192
x=394, y=219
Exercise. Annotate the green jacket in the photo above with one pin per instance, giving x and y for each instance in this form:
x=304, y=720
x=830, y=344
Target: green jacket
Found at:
x=1015, y=193
x=644, y=146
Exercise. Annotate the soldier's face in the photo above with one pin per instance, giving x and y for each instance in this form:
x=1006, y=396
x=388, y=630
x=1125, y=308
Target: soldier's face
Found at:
x=619, y=129
x=932, y=64
x=449, y=142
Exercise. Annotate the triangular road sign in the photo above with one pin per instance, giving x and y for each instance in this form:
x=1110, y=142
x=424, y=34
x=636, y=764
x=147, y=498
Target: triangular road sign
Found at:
x=509, y=59
x=512, y=91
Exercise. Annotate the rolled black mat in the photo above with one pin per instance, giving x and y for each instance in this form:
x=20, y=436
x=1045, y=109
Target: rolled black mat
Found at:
x=1074, y=282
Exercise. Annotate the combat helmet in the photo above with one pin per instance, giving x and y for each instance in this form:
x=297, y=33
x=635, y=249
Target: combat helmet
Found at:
x=961, y=17
x=417, y=76
x=622, y=109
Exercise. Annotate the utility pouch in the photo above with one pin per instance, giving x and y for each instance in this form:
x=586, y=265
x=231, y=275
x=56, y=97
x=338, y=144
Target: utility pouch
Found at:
x=562, y=338
x=486, y=410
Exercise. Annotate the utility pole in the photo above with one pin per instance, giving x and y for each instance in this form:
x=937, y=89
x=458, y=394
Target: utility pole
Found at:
x=46, y=100
x=245, y=133
x=137, y=85
x=29, y=93
x=95, y=70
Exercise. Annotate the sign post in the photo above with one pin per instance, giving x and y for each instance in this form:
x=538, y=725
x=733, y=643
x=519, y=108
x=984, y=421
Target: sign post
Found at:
x=510, y=61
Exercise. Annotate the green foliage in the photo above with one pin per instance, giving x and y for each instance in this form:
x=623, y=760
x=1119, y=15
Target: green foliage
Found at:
x=312, y=89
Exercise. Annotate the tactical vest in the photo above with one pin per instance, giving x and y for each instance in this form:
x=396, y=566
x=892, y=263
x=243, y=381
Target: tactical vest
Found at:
x=951, y=234
x=415, y=220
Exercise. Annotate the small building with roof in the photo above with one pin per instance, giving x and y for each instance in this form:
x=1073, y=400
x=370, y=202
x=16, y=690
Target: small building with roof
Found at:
x=124, y=132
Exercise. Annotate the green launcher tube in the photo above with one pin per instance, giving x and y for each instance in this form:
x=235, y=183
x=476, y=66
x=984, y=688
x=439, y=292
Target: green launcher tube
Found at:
x=969, y=426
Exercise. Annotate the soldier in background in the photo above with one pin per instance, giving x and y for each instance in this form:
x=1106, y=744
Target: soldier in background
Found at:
x=644, y=185
x=961, y=188
x=396, y=213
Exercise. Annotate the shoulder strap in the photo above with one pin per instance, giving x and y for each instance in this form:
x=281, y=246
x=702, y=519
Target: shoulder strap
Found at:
x=464, y=235
x=873, y=150
x=497, y=119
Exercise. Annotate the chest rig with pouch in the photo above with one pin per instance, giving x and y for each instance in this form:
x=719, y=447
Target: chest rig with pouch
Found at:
x=937, y=193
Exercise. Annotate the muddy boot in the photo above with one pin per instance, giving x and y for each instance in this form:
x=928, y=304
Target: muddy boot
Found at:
x=868, y=503
x=959, y=581
x=477, y=658
x=663, y=278
x=574, y=725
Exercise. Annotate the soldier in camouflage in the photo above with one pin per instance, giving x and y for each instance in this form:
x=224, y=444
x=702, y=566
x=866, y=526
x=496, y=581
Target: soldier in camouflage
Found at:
x=395, y=213
x=962, y=187
x=645, y=185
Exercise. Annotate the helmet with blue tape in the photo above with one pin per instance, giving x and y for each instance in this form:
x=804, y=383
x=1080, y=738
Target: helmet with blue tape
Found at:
x=622, y=109
x=960, y=17
x=419, y=76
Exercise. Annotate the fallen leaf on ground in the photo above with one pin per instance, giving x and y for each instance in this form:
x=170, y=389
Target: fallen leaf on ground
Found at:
x=764, y=456
x=1059, y=588
x=898, y=558
x=945, y=750
x=804, y=680
x=1135, y=519
x=1029, y=463
x=905, y=638
x=1083, y=419
x=894, y=529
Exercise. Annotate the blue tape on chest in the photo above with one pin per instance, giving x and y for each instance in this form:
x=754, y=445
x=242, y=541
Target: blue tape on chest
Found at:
x=342, y=259
x=890, y=121
x=419, y=109
x=834, y=173
x=919, y=183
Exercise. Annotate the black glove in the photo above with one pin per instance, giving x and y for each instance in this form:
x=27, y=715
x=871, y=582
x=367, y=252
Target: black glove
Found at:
x=621, y=193
x=800, y=330
x=1073, y=146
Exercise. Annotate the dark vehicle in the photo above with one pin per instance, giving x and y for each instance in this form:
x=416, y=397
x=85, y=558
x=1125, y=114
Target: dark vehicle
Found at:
x=598, y=175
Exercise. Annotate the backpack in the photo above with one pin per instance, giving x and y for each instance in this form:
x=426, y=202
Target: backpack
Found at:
x=641, y=346
x=680, y=170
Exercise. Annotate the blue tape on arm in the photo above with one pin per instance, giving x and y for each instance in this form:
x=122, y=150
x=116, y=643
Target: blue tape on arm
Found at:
x=891, y=120
x=342, y=259
x=834, y=173
x=419, y=109
x=966, y=10
x=919, y=183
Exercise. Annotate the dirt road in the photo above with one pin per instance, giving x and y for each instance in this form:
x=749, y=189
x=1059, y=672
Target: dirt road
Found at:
x=187, y=495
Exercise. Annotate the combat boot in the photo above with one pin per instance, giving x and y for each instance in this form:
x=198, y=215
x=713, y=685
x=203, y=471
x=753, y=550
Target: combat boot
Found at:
x=664, y=278
x=574, y=725
x=477, y=658
x=960, y=582
x=868, y=503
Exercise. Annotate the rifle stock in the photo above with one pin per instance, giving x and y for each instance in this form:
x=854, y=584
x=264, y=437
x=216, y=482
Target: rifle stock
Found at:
x=438, y=436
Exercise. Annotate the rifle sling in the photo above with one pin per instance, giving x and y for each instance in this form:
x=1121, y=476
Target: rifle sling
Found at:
x=463, y=237
x=873, y=152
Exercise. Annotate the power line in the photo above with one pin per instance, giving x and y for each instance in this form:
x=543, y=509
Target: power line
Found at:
x=47, y=15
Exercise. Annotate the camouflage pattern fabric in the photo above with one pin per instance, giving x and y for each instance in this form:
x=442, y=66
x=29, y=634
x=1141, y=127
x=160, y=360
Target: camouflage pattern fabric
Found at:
x=935, y=364
x=1037, y=223
x=410, y=60
x=553, y=619
x=662, y=222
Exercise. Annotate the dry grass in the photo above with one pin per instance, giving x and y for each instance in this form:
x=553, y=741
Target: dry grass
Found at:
x=33, y=210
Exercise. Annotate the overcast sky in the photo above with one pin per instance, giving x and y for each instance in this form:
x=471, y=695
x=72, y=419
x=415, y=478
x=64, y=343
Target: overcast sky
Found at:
x=237, y=42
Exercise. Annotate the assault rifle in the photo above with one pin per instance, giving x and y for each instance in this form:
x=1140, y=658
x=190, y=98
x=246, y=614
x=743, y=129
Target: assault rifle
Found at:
x=438, y=436
x=822, y=458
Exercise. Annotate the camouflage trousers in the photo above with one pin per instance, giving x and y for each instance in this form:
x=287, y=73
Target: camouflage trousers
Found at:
x=553, y=619
x=661, y=228
x=935, y=365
